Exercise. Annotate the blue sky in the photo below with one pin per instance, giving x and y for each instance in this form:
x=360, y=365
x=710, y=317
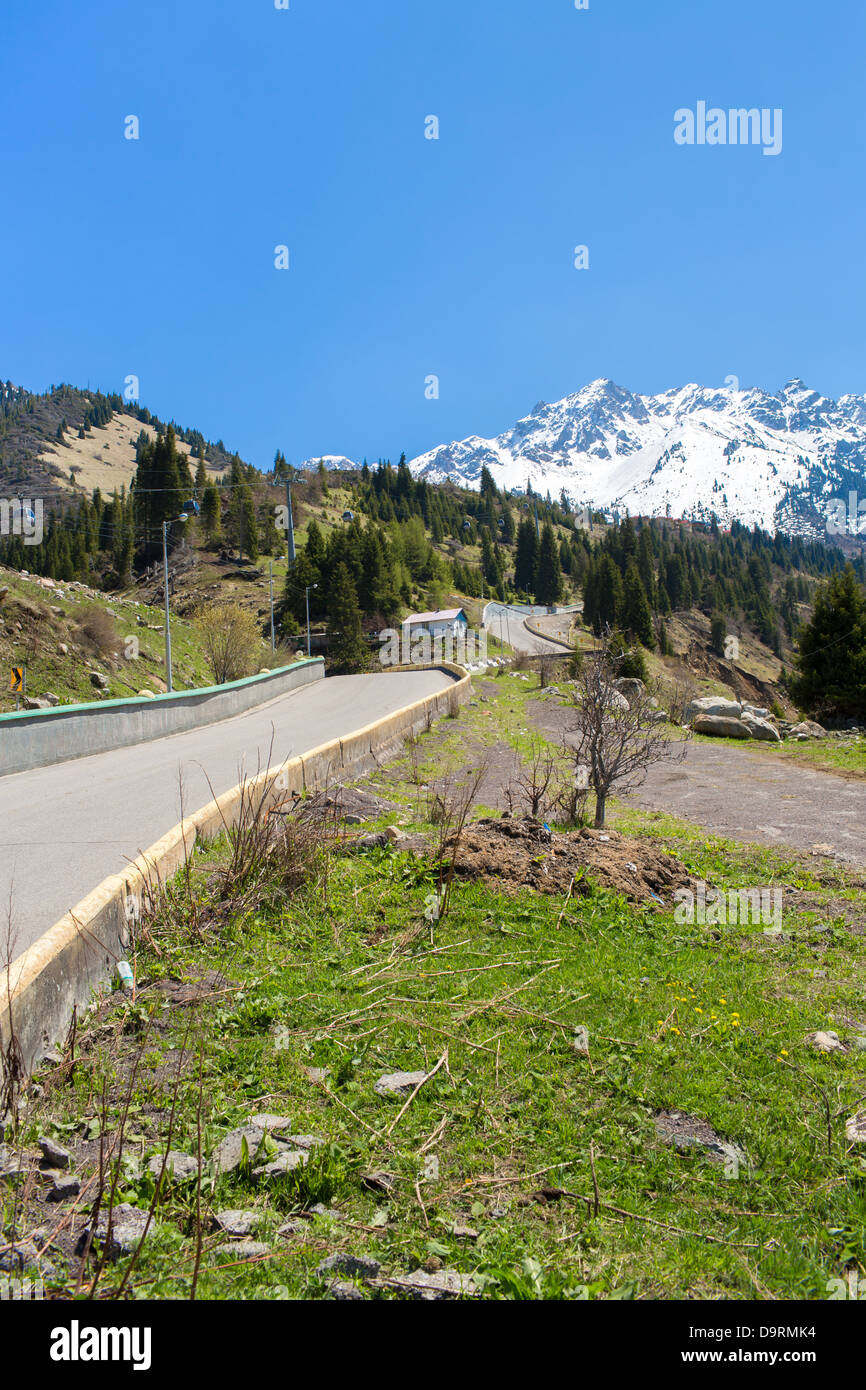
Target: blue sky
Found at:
x=412, y=257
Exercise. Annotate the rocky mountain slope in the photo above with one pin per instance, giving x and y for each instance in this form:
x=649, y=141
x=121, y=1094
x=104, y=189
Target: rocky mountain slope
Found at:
x=777, y=461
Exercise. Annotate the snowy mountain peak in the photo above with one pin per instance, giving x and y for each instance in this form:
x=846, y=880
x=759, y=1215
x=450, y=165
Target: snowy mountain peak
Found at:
x=692, y=451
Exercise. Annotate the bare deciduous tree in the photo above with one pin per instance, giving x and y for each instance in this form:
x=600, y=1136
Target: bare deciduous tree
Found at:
x=614, y=741
x=534, y=789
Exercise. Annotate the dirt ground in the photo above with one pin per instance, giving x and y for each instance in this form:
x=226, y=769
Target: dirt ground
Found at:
x=513, y=854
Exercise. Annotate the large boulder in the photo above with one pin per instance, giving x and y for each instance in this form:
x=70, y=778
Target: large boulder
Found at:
x=762, y=729
x=714, y=705
x=720, y=726
x=630, y=687
x=617, y=701
x=808, y=729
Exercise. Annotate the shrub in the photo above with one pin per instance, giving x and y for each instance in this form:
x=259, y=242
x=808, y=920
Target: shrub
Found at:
x=633, y=664
x=97, y=632
x=231, y=640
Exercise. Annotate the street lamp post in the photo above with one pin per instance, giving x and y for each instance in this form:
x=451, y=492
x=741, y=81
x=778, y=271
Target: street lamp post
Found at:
x=165, y=526
x=307, y=597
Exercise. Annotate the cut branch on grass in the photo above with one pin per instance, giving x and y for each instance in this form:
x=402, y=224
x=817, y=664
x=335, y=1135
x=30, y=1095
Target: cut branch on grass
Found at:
x=443, y=1062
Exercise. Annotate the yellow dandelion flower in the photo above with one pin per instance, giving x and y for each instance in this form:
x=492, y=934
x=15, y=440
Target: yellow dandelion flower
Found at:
x=735, y=1023
x=698, y=1011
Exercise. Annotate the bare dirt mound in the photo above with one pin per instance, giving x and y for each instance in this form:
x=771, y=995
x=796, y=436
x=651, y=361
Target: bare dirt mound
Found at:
x=512, y=854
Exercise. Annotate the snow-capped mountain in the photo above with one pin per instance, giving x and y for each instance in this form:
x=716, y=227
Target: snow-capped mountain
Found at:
x=335, y=461
x=778, y=461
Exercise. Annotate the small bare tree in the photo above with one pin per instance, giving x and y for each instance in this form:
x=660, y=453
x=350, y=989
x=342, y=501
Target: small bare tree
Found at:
x=614, y=739
x=546, y=671
x=534, y=788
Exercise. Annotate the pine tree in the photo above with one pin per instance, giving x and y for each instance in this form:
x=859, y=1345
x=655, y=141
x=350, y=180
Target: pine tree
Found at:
x=832, y=661
x=548, y=583
x=636, y=614
x=201, y=471
x=244, y=530
x=608, y=596
x=301, y=576
x=348, y=650
x=526, y=561
x=646, y=567
x=211, y=515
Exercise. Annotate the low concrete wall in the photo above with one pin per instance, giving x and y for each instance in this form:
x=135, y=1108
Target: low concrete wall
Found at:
x=38, y=738
x=548, y=637
x=40, y=989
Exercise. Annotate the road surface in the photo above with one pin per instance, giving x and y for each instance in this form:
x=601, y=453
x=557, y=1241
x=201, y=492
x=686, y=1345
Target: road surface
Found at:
x=754, y=798
x=63, y=829
x=510, y=624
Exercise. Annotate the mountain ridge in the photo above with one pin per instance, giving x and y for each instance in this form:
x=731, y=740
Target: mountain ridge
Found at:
x=772, y=460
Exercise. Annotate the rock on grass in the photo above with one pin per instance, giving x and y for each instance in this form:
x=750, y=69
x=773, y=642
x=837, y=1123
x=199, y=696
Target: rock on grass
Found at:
x=399, y=1083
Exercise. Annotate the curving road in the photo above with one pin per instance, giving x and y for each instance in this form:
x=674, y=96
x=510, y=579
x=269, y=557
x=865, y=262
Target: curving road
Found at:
x=63, y=829
x=510, y=624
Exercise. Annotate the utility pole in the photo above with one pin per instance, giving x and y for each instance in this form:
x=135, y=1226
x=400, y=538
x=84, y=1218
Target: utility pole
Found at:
x=169, y=686
x=290, y=527
x=165, y=526
x=307, y=597
x=273, y=641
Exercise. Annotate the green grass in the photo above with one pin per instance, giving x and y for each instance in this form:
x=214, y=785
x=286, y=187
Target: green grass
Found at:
x=842, y=755
x=348, y=977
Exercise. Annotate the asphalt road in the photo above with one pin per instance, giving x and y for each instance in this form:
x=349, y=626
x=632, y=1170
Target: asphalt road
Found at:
x=759, y=799
x=510, y=624
x=63, y=829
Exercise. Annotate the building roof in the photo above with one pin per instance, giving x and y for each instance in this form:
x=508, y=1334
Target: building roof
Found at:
x=443, y=615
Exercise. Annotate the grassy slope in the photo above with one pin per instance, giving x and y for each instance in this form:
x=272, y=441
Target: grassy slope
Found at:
x=346, y=977
x=42, y=629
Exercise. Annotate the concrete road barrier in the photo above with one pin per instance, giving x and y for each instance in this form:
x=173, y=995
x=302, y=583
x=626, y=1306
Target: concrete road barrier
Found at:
x=60, y=971
x=38, y=738
x=548, y=637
